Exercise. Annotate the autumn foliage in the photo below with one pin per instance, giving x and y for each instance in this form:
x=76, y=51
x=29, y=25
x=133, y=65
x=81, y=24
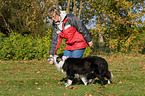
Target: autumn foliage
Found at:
x=25, y=26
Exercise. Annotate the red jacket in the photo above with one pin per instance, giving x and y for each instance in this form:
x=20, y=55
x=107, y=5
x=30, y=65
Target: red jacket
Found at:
x=74, y=39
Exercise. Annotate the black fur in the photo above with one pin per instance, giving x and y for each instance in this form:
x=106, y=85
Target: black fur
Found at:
x=91, y=67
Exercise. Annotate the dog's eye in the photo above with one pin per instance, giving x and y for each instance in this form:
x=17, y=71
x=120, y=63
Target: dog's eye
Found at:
x=59, y=59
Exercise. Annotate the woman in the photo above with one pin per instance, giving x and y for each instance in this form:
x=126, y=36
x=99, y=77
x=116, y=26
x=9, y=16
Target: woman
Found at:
x=70, y=28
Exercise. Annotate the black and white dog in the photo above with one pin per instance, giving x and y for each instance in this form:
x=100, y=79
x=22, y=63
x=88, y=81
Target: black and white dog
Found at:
x=87, y=68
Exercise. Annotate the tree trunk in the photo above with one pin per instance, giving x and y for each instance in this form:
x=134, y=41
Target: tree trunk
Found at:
x=68, y=6
x=74, y=7
x=7, y=25
x=79, y=15
x=56, y=3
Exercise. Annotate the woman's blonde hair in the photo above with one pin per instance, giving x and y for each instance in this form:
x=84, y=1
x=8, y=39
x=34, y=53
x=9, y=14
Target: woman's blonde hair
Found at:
x=53, y=10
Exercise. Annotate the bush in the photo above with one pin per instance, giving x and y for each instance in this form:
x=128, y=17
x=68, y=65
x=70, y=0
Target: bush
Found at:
x=17, y=47
x=133, y=43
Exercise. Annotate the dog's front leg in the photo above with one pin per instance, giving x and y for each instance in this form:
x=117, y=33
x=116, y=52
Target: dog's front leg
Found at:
x=55, y=57
x=69, y=82
x=70, y=78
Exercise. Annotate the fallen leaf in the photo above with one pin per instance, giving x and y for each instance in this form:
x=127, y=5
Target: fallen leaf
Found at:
x=56, y=78
x=71, y=87
x=120, y=82
x=36, y=83
x=91, y=95
x=3, y=82
x=141, y=68
x=123, y=70
x=66, y=89
x=38, y=72
x=99, y=92
x=65, y=94
x=59, y=82
x=102, y=86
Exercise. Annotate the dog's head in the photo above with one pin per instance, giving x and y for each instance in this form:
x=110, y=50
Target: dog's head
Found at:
x=58, y=60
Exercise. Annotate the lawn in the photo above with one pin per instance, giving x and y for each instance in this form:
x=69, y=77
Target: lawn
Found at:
x=39, y=78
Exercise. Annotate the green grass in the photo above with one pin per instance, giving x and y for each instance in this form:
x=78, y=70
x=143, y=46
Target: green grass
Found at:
x=39, y=78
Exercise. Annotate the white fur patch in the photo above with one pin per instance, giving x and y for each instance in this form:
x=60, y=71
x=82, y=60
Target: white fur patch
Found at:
x=63, y=71
x=112, y=76
x=84, y=80
x=60, y=64
x=109, y=82
x=69, y=82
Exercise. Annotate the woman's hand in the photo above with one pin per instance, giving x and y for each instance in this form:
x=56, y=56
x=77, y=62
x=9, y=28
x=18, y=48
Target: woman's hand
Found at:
x=51, y=62
x=90, y=43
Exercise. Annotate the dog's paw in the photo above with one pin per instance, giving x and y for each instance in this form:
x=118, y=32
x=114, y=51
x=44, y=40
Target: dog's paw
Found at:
x=66, y=84
x=91, y=81
x=109, y=82
x=69, y=82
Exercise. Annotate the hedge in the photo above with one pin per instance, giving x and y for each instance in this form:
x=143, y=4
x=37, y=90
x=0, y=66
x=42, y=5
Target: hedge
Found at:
x=18, y=47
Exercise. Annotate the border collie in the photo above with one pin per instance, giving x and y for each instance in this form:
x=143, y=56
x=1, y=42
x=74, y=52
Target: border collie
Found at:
x=87, y=68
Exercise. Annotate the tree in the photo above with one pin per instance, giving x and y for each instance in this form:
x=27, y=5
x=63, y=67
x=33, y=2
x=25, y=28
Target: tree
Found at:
x=118, y=22
x=80, y=8
x=24, y=17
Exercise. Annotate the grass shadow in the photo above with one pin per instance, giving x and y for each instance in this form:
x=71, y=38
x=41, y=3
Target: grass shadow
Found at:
x=78, y=81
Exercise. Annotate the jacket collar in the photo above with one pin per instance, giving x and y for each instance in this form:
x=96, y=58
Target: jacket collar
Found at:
x=63, y=16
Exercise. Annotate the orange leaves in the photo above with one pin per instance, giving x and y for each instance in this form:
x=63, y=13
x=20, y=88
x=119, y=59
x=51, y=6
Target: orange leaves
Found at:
x=3, y=82
x=89, y=95
x=66, y=89
x=120, y=82
x=36, y=83
x=133, y=84
x=142, y=68
x=71, y=87
x=38, y=71
x=100, y=92
x=59, y=82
